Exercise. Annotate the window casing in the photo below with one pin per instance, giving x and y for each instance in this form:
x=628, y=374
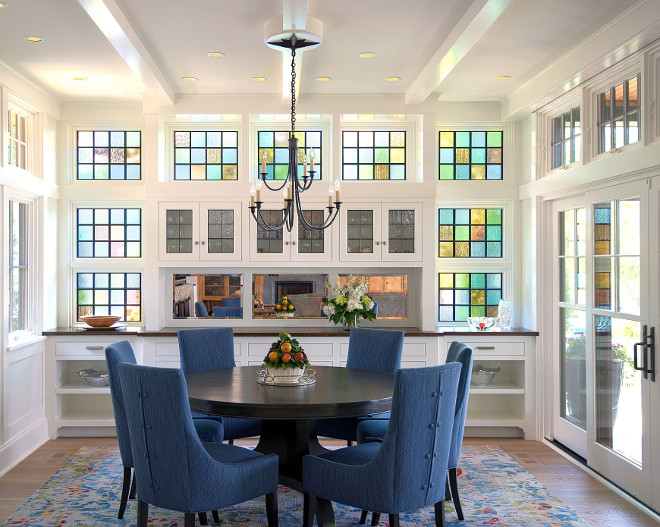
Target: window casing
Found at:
x=19, y=268
x=618, y=115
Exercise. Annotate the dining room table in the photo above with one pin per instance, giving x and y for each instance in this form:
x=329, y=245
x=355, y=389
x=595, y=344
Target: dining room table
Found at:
x=289, y=413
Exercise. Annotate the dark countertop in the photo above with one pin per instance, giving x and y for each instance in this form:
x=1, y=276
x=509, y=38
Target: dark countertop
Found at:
x=298, y=332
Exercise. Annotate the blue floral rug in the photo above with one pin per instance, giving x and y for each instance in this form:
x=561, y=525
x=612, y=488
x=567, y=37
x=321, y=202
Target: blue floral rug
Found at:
x=495, y=490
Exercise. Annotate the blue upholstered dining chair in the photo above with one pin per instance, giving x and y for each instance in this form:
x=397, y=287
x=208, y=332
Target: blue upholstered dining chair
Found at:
x=231, y=301
x=368, y=349
x=174, y=469
x=227, y=312
x=407, y=471
x=200, y=309
x=211, y=349
x=374, y=429
x=116, y=353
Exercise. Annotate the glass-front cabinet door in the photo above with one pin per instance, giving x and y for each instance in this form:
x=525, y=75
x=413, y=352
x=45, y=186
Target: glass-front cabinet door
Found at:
x=301, y=244
x=385, y=232
x=190, y=231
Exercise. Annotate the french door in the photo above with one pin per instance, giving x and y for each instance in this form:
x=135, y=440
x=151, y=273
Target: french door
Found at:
x=607, y=396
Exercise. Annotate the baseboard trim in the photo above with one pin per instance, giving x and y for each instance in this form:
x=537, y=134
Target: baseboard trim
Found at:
x=580, y=462
x=21, y=446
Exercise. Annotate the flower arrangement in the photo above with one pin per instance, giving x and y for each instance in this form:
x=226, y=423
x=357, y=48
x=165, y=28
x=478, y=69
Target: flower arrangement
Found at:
x=347, y=304
x=285, y=353
x=284, y=306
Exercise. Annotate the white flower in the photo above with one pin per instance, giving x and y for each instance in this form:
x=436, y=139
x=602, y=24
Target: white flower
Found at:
x=371, y=305
x=329, y=310
x=353, y=304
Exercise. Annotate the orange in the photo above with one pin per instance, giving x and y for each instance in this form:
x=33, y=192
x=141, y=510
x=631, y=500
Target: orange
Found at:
x=273, y=356
x=286, y=357
x=285, y=347
x=278, y=306
x=299, y=356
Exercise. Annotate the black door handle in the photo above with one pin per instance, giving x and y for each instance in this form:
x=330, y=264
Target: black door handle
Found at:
x=649, y=359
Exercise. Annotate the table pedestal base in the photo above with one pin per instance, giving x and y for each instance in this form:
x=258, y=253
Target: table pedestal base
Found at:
x=290, y=440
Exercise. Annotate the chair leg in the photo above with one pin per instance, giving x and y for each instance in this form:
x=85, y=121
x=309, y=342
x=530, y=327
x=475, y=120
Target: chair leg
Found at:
x=394, y=520
x=363, y=517
x=202, y=518
x=447, y=491
x=375, y=518
x=124, y=492
x=143, y=513
x=133, y=489
x=453, y=483
x=216, y=518
x=349, y=442
x=325, y=516
x=189, y=519
x=440, y=514
x=230, y=441
x=271, y=509
x=309, y=502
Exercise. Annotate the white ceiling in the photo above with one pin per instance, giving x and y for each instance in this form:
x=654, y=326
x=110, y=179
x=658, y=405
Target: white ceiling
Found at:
x=455, y=48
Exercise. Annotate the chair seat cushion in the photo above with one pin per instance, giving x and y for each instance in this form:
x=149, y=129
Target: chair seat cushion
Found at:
x=353, y=455
x=230, y=453
x=237, y=427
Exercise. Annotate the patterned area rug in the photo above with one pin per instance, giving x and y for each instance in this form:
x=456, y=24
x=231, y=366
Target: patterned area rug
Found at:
x=495, y=490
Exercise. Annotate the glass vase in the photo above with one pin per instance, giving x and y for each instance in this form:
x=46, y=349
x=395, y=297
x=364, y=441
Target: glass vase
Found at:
x=505, y=313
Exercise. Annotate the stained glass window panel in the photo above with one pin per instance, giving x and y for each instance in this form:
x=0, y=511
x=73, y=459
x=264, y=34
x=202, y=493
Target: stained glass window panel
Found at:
x=206, y=155
x=369, y=155
x=470, y=155
x=108, y=155
x=109, y=294
x=275, y=146
x=470, y=233
x=463, y=295
x=109, y=233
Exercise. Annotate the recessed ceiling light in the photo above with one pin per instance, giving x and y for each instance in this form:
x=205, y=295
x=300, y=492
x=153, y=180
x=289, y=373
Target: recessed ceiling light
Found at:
x=80, y=79
x=258, y=79
x=34, y=39
x=323, y=79
x=189, y=79
x=503, y=78
x=216, y=54
x=367, y=55
x=392, y=79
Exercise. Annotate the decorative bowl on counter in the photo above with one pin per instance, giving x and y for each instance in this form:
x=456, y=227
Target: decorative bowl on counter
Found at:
x=481, y=323
x=95, y=377
x=483, y=376
x=100, y=321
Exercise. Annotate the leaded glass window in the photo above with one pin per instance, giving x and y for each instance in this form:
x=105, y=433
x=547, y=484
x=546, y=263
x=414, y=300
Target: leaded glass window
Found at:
x=109, y=154
x=275, y=145
x=401, y=231
x=370, y=155
x=470, y=233
x=270, y=242
x=109, y=233
x=109, y=294
x=179, y=231
x=471, y=155
x=566, y=141
x=619, y=115
x=221, y=231
x=311, y=241
x=206, y=155
x=463, y=295
x=360, y=231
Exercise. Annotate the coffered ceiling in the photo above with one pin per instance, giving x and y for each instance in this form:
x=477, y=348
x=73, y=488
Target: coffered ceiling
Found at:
x=451, y=50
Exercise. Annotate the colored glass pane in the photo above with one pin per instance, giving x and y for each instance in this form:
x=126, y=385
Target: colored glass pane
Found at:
x=203, y=155
x=468, y=294
x=105, y=154
x=473, y=155
x=379, y=155
x=104, y=293
x=467, y=229
x=275, y=144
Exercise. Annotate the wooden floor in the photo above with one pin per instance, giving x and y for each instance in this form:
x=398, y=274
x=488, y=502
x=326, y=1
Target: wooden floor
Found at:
x=590, y=499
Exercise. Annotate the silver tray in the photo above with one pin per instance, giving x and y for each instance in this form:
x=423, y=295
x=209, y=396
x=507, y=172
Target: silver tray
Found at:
x=302, y=380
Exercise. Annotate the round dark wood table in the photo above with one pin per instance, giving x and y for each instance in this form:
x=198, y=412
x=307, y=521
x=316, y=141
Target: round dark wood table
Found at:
x=289, y=413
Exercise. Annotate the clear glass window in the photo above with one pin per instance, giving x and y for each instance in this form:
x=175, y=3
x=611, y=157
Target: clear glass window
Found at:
x=19, y=284
x=566, y=143
x=618, y=115
x=17, y=139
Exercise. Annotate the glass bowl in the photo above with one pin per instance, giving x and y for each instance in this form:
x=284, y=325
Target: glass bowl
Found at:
x=483, y=376
x=481, y=323
x=95, y=377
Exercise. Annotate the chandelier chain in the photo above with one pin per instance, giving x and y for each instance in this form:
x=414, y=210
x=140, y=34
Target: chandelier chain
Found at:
x=293, y=89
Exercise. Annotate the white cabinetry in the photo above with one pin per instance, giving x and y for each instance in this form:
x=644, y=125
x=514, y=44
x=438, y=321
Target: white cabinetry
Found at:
x=389, y=232
x=191, y=231
x=300, y=244
x=70, y=401
x=509, y=400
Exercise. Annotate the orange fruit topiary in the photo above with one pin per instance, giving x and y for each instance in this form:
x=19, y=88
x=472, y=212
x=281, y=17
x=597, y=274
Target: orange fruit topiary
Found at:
x=285, y=347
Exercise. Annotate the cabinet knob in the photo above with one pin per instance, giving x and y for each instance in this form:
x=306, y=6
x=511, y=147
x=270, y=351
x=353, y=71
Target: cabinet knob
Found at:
x=196, y=242
x=286, y=243
x=203, y=242
x=377, y=243
x=293, y=243
x=384, y=242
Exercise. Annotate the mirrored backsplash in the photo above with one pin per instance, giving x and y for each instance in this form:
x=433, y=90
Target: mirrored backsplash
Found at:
x=303, y=291
x=208, y=296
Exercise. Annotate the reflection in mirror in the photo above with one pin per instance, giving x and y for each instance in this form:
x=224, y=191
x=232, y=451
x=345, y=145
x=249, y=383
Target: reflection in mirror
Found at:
x=389, y=291
x=303, y=291
x=208, y=296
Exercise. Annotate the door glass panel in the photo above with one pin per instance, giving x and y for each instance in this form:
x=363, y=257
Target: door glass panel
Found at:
x=401, y=225
x=573, y=391
x=311, y=241
x=618, y=388
x=360, y=231
x=270, y=242
x=221, y=231
x=179, y=231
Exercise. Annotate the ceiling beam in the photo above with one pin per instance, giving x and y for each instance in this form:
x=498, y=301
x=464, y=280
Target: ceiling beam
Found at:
x=478, y=19
x=109, y=18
